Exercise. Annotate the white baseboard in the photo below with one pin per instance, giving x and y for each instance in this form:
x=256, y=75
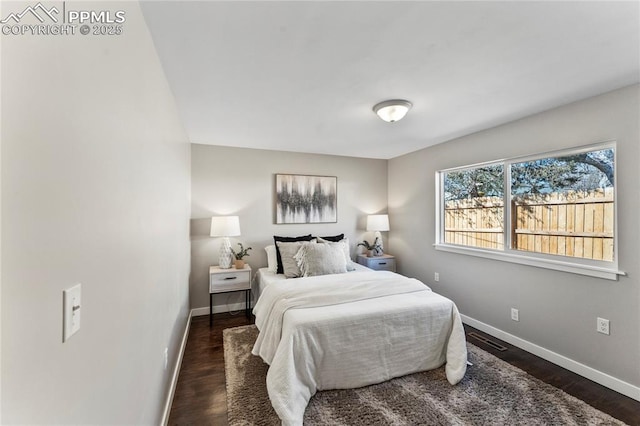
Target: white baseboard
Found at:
x=590, y=373
x=196, y=312
x=176, y=373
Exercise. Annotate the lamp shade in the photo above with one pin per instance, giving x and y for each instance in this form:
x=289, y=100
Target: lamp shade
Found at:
x=225, y=226
x=392, y=110
x=378, y=222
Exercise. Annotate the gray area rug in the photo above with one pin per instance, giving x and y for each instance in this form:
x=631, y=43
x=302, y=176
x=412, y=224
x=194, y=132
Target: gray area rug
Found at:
x=493, y=392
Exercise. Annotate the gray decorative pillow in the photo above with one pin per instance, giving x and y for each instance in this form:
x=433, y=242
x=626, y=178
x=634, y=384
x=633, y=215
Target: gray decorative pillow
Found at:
x=321, y=259
x=344, y=243
x=287, y=252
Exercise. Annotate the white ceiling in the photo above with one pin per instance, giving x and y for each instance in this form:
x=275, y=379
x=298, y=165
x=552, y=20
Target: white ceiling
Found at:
x=303, y=76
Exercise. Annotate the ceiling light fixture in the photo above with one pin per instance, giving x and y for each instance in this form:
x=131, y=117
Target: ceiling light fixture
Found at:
x=392, y=110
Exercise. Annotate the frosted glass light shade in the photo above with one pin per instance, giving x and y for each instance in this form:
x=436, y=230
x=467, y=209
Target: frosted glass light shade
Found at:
x=225, y=226
x=378, y=222
x=392, y=110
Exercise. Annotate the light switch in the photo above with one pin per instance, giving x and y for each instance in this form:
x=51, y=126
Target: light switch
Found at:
x=71, y=311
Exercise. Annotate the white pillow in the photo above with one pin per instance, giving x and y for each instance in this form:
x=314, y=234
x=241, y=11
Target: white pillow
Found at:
x=287, y=253
x=321, y=259
x=344, y=244
x=272, y=258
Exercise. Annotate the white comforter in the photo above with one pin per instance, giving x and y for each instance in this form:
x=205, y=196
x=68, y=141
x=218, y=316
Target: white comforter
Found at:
x=352, y=330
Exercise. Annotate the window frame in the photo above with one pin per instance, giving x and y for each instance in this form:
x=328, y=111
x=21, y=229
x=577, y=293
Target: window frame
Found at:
x=595, y=268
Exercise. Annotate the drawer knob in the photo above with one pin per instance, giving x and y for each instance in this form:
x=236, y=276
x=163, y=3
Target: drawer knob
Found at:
x=382, y=263
x=230, y=278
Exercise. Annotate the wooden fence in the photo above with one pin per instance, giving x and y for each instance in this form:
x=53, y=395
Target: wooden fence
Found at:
x=577, y=224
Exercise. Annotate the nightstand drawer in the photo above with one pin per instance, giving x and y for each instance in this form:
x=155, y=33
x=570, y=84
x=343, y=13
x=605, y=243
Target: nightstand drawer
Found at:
x=233, y=280
x=382, y=264
x=385, y=262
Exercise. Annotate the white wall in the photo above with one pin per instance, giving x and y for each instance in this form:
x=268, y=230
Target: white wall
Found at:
x=235, y=181
x=1, y=14
x=95, y=190
x=557, y=310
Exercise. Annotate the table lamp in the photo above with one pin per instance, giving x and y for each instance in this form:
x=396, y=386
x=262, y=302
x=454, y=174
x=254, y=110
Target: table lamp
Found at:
x=377, y=223
x=225, y=227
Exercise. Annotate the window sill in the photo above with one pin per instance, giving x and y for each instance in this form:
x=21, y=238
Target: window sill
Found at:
x=557, y=265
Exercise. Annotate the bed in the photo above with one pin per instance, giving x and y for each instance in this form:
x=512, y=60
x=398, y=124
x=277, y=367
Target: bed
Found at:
x=349, y=330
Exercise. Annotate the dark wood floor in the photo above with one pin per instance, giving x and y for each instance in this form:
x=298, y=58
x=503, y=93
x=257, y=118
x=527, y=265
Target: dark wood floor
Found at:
x=200, y=396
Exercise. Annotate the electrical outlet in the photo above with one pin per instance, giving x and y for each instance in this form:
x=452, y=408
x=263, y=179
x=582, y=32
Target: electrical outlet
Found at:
x=602, y=326
x=515, y=314
x=436, y=276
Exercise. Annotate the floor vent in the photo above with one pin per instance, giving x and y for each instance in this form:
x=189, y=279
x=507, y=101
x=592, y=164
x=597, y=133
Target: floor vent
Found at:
x=487, y=341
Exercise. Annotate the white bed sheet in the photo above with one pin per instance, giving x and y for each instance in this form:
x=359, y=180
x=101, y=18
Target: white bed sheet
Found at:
x=358, y=343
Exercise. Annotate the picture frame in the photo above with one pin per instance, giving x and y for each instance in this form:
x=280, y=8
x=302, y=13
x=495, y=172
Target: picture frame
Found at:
x=306, y=199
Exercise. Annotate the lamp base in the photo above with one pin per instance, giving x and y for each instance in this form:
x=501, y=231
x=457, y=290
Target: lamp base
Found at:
x=226, y=256
x=378, y=236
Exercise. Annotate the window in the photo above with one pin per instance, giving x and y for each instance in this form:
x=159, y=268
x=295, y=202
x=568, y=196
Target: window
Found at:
x=474, y=206
x=553, y=210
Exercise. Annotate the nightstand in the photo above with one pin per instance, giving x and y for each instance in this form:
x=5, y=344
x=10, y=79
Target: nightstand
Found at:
x=386, y=262
x=227, y=281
